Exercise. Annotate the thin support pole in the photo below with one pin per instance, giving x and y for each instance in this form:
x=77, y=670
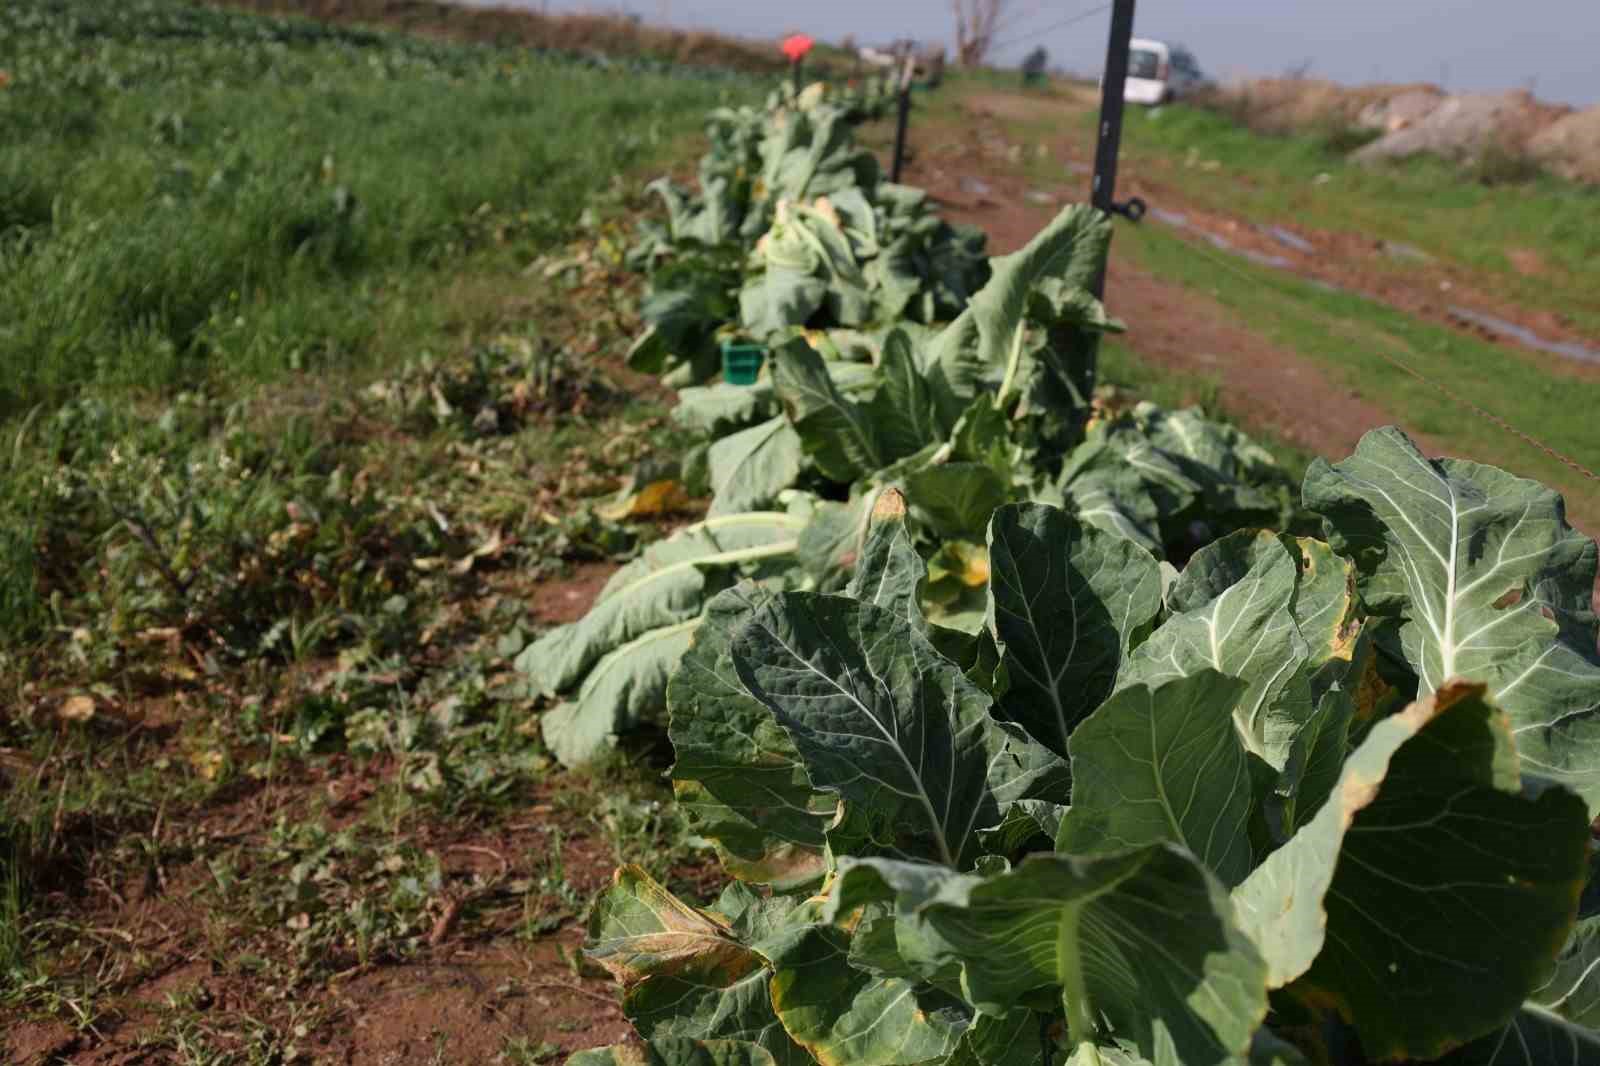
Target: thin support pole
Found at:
x=1102, y=192
x=902, y=120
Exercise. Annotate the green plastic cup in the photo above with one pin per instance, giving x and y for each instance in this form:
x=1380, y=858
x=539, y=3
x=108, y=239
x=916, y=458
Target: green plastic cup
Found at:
x=741, y=363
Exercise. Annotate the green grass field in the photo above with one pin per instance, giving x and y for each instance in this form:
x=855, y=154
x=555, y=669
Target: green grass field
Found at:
x=1474, y=219
x=190, y=194
x=1349, y=335
x=291, y=316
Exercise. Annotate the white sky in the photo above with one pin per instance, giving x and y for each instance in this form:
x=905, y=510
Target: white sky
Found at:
x=1550, y=46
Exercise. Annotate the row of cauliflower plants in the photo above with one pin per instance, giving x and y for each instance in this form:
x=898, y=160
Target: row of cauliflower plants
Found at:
x=961, y=381
x=996, y=781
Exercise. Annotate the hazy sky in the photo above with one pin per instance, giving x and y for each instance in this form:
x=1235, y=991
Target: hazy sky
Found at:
x=1551, y=46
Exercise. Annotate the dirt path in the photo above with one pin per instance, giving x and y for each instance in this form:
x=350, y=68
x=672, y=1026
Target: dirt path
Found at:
x=1397, y=275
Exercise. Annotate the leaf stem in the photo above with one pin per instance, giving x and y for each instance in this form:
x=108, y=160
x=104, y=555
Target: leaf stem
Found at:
x=1013, y=363
x=1074, y=990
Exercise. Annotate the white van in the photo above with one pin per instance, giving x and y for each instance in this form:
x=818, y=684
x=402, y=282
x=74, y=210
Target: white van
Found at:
x=1159, y=72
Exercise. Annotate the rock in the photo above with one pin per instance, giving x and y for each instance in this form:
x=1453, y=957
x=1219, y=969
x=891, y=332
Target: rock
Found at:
x=1401, y=110
x=1404, y=251
x=1466, y=126
x=1294, y=105
x=1570, y=146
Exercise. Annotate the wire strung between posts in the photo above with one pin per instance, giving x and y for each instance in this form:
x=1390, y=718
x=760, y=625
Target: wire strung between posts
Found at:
x=1019, y=16
x=1493, y=418
x=1079, y=17
x=1462, y=401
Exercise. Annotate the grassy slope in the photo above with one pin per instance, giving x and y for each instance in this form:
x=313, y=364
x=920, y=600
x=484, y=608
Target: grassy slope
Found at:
x=1428, y=203
x=213, y=587
x=189, y=193
x=1349, y=335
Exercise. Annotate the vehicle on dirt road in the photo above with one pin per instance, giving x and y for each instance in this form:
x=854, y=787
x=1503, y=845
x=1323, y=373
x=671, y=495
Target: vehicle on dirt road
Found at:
x=1159, y=72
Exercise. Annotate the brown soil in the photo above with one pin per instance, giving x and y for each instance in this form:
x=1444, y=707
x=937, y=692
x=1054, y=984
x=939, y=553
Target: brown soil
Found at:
x=559, y=602
x=478, y=983
x=480, y=980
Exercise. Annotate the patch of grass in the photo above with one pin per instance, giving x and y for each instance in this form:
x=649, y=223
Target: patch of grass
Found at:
x=614, y=36
x=191, y=195
x=244, y=593
x=13, y=949
x=1345, y=333
x=1471, y=217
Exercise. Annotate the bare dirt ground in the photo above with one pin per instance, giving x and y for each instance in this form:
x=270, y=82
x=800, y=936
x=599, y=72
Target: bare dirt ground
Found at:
x=497, y=968
x=496, y=978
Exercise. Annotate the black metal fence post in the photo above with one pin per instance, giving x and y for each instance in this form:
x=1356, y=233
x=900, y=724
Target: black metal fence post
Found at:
x=902, y=119
x=1102, y=193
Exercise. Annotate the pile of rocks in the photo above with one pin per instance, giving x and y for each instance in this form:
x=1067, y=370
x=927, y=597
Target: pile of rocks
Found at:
x=1424, y=119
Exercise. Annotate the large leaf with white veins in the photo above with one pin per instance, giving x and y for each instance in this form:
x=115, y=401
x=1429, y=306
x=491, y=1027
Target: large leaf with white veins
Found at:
x=903, y=408
x=1533, y=1037
x=749, y=468
x=957, y=498
x=1164, y=764
x=638, y=929
x=702, y=1009
x=838, y=434
x=848, y=1017
x=989, y=334
x=1141, y=947
x=684, y=971
x=1236, y=618
x=737, y=774
x=1106, y=492
x=884, y=720
x=626, y=688
x=1491, y=582
x=1573, y=989
x=890, y=573
x=1066, y=600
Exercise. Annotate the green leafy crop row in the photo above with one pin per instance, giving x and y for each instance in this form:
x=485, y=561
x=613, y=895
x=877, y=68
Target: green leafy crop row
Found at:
x=900, y=359
x=997, y=781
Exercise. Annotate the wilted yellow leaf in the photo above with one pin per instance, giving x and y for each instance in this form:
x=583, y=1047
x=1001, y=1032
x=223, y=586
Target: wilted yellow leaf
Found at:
x=208, y=764
x=656, y=498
